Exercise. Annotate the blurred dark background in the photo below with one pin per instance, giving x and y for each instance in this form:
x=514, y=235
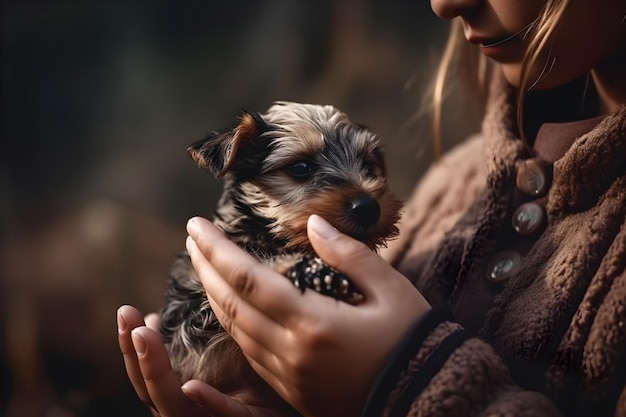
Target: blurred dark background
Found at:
x=100, y=100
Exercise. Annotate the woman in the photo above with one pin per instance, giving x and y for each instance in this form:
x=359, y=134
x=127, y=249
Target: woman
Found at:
x=515, y=241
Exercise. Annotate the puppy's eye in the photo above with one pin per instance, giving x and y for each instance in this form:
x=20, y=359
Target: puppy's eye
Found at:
x=300, y=170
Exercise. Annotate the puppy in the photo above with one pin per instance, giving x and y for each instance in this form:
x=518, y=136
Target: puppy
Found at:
x=278, y=169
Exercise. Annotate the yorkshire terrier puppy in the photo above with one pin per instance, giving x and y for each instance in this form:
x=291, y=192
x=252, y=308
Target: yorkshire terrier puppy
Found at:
x=278, y=169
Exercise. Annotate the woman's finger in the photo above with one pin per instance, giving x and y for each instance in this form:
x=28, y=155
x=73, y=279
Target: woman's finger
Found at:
x=219, y=404
x=361, y=264
x=213, y=401
x=235, y=314
x=153, y=321
x=129, y=318
x=162, y=383
x=215, y=259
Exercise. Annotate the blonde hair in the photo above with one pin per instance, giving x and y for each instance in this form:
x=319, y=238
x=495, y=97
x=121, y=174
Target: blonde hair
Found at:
x=474, y=69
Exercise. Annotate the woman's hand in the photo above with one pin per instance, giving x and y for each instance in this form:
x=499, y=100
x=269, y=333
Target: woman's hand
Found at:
x=323, y=356
x=157, y=385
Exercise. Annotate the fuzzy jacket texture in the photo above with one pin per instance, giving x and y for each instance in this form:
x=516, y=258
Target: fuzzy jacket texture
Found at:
x=553, y=340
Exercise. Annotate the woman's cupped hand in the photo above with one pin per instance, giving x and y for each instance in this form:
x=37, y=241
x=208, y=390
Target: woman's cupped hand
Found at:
x=321, y=355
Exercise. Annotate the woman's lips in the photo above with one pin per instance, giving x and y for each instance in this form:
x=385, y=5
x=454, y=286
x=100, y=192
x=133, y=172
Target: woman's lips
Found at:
x=501, y=48
x=488, y=43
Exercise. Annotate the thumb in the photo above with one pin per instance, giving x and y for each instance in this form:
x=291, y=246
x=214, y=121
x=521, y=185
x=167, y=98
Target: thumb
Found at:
x=241, y=404
x=213, y=401
x=366, y=269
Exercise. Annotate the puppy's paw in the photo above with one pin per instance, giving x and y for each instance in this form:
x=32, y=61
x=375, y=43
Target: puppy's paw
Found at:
x=312, y=272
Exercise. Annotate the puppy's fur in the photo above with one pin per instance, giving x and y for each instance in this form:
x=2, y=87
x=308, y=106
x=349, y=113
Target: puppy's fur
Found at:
x=278, y=169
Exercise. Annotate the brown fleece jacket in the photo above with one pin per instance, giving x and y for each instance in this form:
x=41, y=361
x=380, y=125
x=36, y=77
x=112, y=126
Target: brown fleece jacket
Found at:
x=553, y=338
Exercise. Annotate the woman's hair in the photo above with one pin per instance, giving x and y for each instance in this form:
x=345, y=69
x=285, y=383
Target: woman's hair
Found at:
x=473, y=69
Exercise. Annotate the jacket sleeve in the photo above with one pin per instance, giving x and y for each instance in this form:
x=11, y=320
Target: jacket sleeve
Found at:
x=441, y=370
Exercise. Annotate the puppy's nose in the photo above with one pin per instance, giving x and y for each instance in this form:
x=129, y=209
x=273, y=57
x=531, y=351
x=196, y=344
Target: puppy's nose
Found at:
x=364, y=210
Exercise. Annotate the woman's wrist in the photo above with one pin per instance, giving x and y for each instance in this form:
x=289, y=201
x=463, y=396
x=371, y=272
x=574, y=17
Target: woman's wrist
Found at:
x=424, y=349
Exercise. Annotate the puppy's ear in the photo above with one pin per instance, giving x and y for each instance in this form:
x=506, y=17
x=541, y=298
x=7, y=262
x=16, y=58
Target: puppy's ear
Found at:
x=217, y=151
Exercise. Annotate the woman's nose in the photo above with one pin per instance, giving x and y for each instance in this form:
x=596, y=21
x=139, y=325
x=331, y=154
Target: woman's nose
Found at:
x=449, y=9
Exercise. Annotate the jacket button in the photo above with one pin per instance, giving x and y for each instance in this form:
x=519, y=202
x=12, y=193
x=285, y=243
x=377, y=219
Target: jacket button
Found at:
x=528, y=218
x=532, y=177
x=503, y=265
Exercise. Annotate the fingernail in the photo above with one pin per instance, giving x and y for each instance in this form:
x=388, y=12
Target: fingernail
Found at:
x=189, y=244
x=322, y=228
x=192, y=395
x=197, y=392
x=122, y=325
x=139, y=343
x=193, y=228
